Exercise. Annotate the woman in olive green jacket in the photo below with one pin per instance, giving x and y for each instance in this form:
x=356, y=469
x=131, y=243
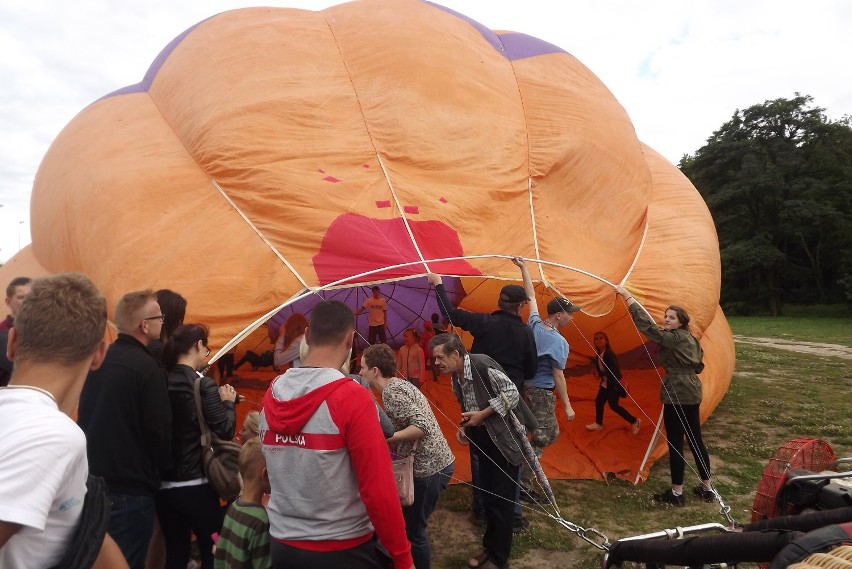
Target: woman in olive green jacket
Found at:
x=681, y=356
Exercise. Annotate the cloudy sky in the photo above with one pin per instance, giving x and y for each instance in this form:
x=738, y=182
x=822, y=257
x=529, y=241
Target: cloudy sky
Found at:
x=679, y=67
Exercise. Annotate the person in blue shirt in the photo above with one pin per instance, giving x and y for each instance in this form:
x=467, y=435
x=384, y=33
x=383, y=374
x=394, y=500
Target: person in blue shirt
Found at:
x=552, y=354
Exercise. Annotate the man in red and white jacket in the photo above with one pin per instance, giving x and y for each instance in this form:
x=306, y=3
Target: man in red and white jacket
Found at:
x=328, y=463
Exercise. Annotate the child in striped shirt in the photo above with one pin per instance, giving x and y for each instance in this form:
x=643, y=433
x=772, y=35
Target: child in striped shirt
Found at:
x=244, y=539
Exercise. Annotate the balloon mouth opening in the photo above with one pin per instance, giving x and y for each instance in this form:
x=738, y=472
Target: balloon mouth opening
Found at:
x=412, y=302
x=373, y=277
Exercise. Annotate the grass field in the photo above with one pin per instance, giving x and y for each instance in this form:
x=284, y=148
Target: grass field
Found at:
x=775, y=396
x=832, y=330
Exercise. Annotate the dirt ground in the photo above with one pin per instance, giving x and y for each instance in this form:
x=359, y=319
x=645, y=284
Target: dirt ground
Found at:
x=833, y=350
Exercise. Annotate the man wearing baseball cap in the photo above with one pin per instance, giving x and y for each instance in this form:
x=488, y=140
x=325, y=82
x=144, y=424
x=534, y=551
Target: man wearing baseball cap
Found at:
x=502, y=336
x=549, y=377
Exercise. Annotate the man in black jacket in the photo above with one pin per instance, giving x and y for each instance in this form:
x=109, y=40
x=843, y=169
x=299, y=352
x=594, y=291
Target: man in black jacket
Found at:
x=504, y=337
x=125, y=413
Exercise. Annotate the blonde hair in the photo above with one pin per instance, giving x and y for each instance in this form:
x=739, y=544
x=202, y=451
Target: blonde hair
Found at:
x=127, y=311
x=252, y=422
x=251, y=460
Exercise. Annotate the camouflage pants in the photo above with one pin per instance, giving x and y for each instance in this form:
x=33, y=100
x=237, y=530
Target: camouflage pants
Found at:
x=542, y=403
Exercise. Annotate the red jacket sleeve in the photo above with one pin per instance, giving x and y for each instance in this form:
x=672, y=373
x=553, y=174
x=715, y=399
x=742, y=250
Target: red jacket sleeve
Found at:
x=355, y=414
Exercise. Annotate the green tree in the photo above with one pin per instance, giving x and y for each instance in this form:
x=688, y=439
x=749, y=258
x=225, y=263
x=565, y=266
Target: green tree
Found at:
x=777, y=178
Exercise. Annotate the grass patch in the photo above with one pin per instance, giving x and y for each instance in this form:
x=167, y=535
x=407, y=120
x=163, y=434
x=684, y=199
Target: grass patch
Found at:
x=775, y=396
x=827, y=329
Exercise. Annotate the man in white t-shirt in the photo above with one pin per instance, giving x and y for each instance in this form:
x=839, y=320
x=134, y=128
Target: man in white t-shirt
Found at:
x=377, y=309
x=58, y=337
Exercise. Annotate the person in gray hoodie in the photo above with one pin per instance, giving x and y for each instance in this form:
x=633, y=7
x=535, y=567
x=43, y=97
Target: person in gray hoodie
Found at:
x=334, y=501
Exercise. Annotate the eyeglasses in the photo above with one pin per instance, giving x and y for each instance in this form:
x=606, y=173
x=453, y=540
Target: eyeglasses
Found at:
x=161, y=317
x=208, y=352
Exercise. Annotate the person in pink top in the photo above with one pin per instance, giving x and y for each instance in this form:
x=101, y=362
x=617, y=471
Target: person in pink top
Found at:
x=410, y=361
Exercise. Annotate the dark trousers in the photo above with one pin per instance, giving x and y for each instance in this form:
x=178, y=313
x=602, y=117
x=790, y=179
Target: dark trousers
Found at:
x=131, y=523
x=368, y=555
x=477, y=503
x=226, y=365
x=184, y=511
x=610, y=395
x=682, y=421
x=498, y=480
x=426, y=493
x=376, y=331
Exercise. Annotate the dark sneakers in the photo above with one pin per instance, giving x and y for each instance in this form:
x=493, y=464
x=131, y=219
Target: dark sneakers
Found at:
x=668, y=497
x=704, y=494
x=520, y=525
x=531, y=497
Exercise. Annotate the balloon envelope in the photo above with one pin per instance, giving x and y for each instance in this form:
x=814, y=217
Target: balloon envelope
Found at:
x=268, y=152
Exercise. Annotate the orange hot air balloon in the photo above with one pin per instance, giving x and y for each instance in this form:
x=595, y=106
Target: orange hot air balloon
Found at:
x=270, y=154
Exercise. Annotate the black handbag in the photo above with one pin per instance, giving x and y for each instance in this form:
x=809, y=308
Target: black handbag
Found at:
x=220, y=459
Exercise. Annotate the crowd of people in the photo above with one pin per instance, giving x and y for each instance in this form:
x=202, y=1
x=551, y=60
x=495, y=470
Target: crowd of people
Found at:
x=126, y=484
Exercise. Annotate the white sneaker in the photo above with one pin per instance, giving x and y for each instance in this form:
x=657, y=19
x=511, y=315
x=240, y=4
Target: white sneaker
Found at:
x=594, y=427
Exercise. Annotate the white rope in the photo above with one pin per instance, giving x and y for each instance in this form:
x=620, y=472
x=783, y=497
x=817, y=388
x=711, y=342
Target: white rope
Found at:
x=636, y=257
x=401, y=211
x=259, y=233
x=535, y=231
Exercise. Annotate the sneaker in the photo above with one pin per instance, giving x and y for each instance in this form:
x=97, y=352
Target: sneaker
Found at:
x=668, y=497
x=520, y=526
x=703, y=493
x=594, y=427
x=531, y=496
x=636, y=426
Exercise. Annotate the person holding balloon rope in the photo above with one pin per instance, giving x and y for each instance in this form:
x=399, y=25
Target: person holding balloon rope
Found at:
x=552, y=349
x=681, y=356
x=503, y=336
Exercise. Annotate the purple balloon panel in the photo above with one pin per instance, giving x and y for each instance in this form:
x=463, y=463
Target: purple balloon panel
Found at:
x=410, y=302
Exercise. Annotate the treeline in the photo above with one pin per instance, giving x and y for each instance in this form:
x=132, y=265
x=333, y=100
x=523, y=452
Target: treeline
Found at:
x=777, y=178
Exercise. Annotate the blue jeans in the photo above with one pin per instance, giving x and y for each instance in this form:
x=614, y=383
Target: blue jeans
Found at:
x=131, y=523
x=426, y=493
x=477, y=504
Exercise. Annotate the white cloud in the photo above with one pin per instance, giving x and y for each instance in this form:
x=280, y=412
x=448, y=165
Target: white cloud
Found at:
x=680, y=69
